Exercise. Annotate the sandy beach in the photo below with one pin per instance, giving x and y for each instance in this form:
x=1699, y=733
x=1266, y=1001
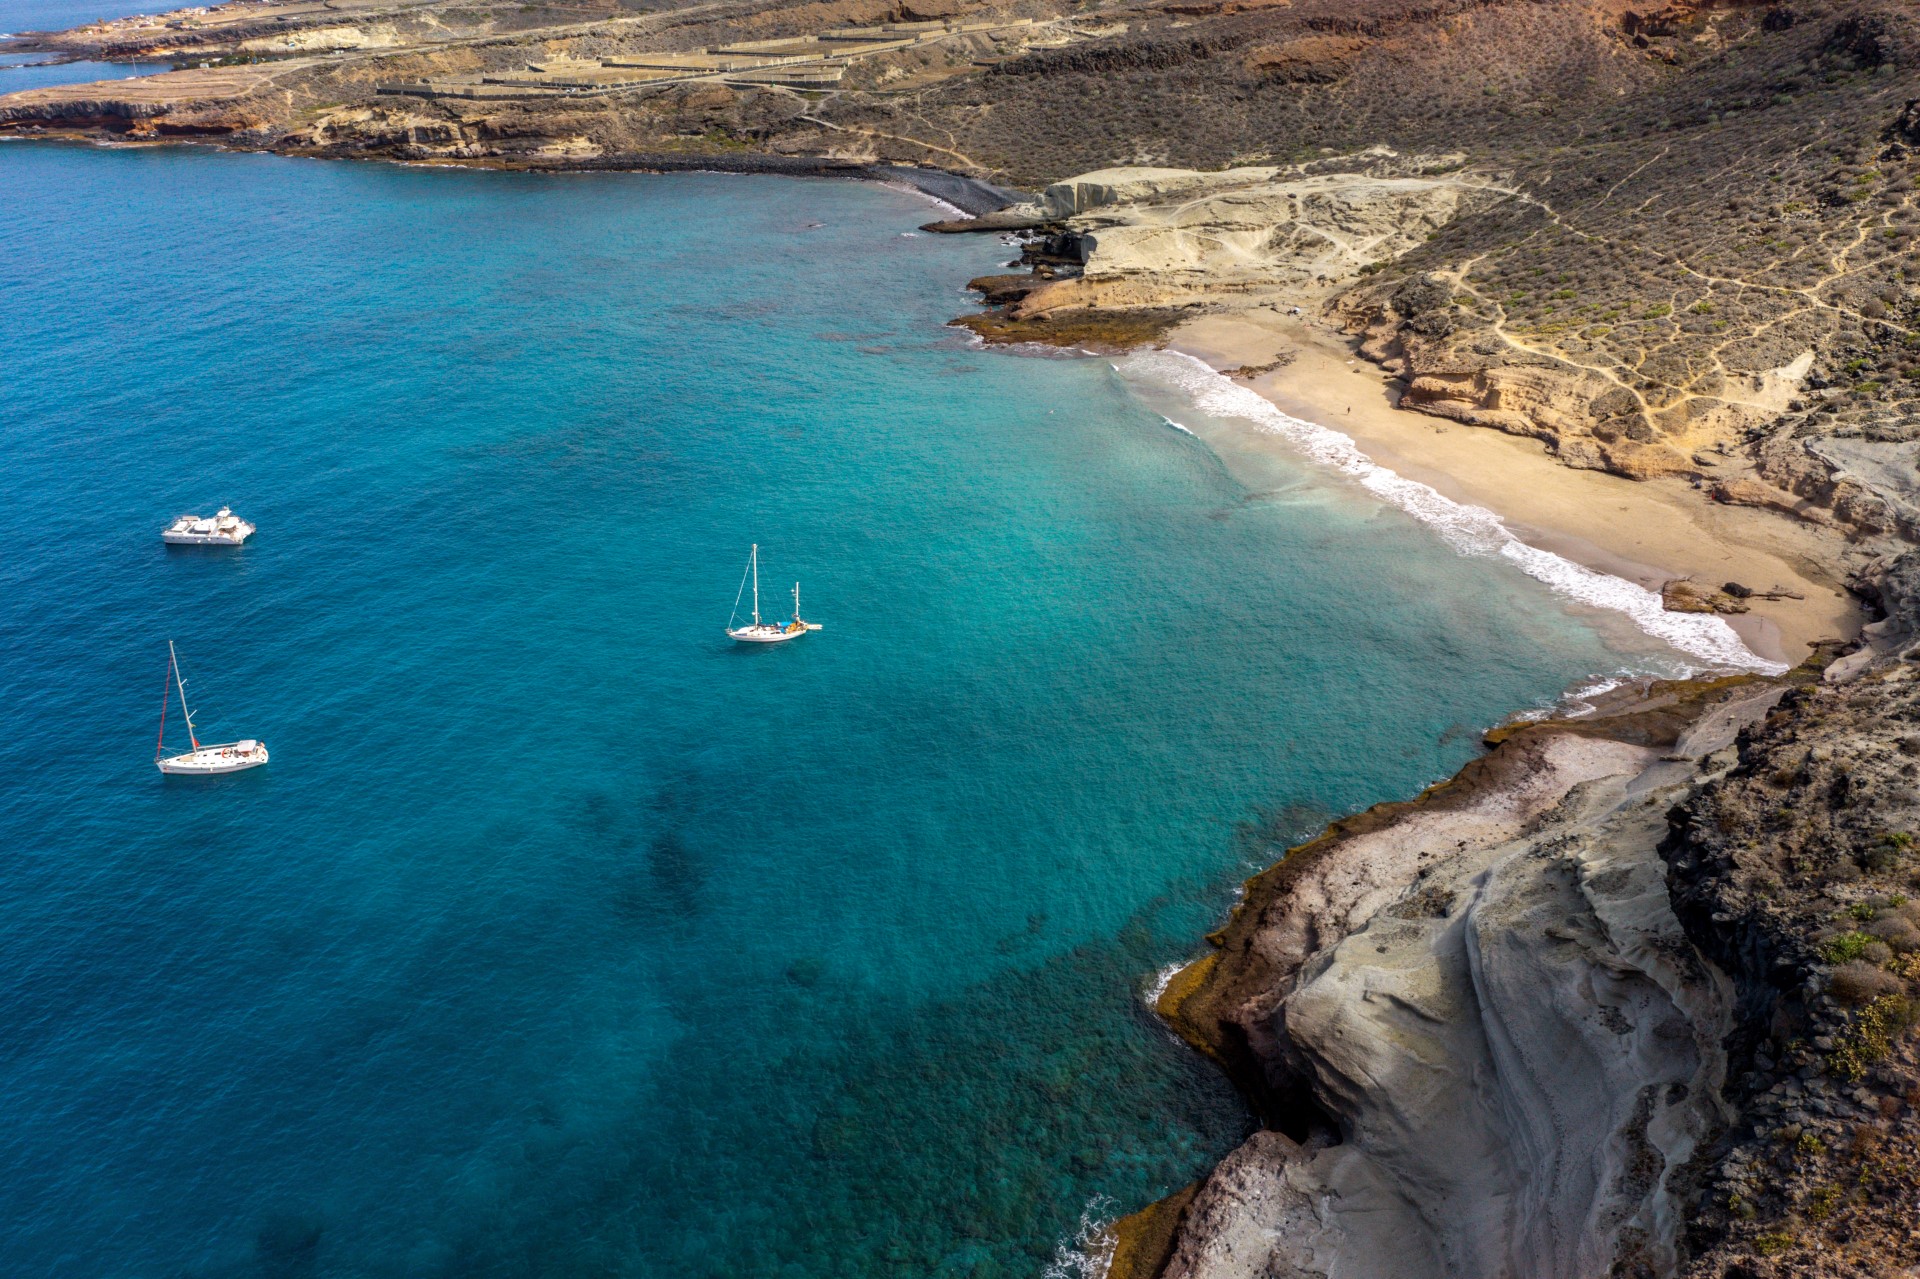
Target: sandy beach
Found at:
x=1648, y=532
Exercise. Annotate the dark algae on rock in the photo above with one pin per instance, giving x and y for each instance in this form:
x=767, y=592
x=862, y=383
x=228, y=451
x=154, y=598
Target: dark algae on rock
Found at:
x=1799, y=873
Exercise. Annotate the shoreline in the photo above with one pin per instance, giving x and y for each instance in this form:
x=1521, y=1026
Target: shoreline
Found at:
x=1241, y=429
x=1219, y=1000
x=1647, y=532
x=957, y=193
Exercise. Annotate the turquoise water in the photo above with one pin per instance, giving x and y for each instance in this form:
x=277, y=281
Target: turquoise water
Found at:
x=562, y=937
x=19, y=72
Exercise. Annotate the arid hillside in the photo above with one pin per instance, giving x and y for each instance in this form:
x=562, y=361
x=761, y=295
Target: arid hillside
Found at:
x=1681, y=244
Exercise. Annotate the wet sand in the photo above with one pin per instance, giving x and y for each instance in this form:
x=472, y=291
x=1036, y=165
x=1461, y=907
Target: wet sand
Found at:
x=1648, y=532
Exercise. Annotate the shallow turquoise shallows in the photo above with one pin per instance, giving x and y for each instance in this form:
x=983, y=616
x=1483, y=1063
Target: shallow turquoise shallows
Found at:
x=562, y=936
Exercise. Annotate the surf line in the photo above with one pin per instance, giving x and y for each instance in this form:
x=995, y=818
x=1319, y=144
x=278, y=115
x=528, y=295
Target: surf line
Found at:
x=1470, y=530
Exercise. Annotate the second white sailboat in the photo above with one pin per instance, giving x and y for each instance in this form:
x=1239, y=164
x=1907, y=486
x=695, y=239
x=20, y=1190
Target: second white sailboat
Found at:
x=759, y=632
x=227, y=757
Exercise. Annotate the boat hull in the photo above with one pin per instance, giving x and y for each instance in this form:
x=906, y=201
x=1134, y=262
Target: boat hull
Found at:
x=191, y=538
x=233, y=757
x=764, y=635
x=203, y=539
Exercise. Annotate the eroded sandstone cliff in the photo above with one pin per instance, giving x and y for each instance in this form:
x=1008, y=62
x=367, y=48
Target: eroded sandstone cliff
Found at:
x=1509, y=1046
x=1632, y=995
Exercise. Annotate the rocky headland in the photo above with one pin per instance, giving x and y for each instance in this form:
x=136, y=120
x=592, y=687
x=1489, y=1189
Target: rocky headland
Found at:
x=1634, y=994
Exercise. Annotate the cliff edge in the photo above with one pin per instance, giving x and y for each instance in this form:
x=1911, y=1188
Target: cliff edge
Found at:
x=1632, y=995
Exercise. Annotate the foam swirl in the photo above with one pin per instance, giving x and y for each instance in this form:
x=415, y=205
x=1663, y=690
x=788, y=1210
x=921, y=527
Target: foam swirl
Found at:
x=1470, y=530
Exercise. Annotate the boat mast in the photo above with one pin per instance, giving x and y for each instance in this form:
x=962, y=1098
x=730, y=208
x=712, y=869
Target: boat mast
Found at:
x=181, y=683
x=756, y=583
x=796, y=601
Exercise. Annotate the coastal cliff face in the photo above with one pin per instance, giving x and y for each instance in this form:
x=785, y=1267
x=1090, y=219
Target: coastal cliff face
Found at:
x=1481, y=1019
x=1158, y=238
x=1632, y=995
x=1796, y=875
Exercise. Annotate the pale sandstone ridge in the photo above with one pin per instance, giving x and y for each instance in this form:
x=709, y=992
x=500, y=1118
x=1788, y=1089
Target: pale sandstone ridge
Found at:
x=1514, y=1048
x=1149, y=237
x=144, y=105
x=1588, y=416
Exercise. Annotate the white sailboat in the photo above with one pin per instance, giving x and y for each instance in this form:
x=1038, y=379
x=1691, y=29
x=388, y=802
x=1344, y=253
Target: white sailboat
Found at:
x=764, y=632
x=228, y=757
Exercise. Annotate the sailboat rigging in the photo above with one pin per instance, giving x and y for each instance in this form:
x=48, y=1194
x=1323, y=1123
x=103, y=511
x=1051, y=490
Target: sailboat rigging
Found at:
x=759, y=632
x=228, y=757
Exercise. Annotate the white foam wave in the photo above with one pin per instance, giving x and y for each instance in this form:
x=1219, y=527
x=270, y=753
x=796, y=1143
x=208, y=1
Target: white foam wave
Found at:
x=1470, y=530
x=1089, y=1254
x=1175, y=425
x=1157, y=985
x=1579, y=701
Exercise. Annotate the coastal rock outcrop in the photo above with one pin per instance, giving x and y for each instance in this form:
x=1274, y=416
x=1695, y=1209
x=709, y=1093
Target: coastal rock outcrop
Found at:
x=1495, y=1049
x=1158, y=237
x=200, y=101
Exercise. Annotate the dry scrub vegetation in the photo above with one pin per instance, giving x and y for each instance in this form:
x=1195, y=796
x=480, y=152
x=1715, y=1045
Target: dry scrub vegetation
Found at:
x=1703, y=261
x=1801, y=873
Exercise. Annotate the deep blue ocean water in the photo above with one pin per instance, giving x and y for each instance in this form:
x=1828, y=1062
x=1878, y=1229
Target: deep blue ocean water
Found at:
x=561, y=936
x=60, y=15
x=22, y=71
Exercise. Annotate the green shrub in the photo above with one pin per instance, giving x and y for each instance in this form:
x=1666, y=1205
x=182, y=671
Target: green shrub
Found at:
x=1846, y=948
x=1872, y=1036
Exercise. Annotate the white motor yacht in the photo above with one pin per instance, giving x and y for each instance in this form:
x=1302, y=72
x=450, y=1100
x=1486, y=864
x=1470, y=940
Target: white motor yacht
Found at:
x=224, y=529
x=227, y=757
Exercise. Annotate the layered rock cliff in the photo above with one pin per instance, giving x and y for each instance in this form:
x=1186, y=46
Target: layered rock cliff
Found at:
x=1634, y=994
x=1482, y=1020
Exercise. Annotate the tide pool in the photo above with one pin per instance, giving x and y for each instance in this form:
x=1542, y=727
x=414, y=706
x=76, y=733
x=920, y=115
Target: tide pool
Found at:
x=562, y=936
